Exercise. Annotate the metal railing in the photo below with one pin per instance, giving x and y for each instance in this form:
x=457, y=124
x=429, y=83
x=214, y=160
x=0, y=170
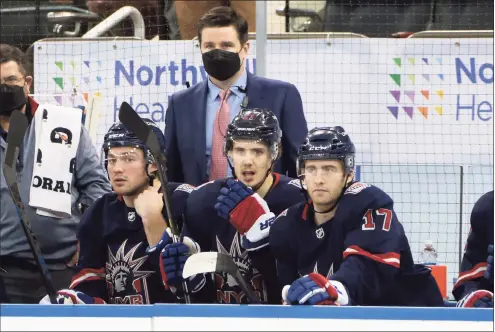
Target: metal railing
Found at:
x=117, y=17
x=453, y=34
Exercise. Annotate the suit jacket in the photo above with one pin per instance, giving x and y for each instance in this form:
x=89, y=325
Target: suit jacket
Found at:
x=185, y=128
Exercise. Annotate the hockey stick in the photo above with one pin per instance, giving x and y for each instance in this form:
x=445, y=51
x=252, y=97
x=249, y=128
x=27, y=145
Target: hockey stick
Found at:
x=17, y=130
x=132, y=121
x=93, y=109
x=211, y=262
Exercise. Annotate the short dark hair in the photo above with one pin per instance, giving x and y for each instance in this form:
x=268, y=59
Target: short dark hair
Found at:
x=12, y=53
x=223, y=17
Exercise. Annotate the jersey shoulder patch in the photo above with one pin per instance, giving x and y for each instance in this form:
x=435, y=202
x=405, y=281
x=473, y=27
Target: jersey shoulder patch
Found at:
x=185, y=187
x=283, y=213
x=356, y=188
x=204, y=184
x=296, y=183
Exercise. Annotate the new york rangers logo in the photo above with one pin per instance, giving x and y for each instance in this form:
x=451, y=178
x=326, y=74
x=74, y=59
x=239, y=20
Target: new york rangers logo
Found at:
x=228, y=290
x=126, y=282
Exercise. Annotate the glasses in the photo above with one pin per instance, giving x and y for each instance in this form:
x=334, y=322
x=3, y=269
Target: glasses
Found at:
x=11, y=80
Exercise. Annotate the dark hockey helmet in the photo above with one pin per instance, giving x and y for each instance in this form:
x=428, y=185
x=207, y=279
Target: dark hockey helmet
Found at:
x=323, y=143
x=118, y=135
x=258, y=124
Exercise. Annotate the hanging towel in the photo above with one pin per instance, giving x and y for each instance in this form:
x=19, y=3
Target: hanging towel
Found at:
x=57, y=130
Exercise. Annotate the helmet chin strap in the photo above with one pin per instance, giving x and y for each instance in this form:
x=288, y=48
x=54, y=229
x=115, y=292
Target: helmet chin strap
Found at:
x=151, y=177
x=255, y=188
x=346, y=185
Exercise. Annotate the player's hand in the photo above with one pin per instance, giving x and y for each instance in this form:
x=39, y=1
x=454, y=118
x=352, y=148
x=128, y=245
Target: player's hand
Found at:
x=173, y=256
x=477, y=299
x=246, y=210
x=315, y=289
x=149, y=204
x=489, y=267
x=69, y=296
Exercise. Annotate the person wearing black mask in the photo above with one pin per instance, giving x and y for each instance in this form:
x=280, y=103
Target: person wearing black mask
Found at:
x=20, y=280
x=12, y=97
x=14, y=88
x=197, y=118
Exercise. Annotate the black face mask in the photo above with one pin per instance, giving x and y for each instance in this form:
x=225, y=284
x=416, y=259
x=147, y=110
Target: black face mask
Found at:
x=221, y=64
x=12, y=98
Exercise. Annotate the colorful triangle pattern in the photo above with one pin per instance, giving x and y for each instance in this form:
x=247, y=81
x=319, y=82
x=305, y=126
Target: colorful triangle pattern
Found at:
x=409, y=110
x=59, y=81
x=410, y=94
x=396, y=78
x=423, y=110
x=394, y=110
x=426, y=94
x=396, y=95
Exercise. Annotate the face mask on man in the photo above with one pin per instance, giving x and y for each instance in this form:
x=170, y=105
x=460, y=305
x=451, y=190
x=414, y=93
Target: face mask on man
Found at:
x=12, y=98
x=221, y=64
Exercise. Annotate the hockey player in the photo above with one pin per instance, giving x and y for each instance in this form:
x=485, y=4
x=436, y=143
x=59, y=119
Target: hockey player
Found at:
x=474, y=287
x=234, y=215
x=117, y=234
x=345, y=245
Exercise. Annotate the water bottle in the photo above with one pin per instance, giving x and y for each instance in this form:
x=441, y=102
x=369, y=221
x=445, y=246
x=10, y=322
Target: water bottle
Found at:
x=429, y=254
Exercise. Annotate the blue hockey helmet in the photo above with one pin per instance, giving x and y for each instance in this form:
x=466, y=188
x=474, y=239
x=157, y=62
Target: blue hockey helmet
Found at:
x=258, y=124
x=323, y=143
x=118, y=135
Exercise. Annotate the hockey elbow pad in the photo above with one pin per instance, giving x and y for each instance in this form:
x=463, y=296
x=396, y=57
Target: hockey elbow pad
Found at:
x=70, y=296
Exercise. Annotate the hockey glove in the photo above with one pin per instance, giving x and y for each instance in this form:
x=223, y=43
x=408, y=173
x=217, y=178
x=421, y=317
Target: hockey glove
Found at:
x=489, y=267
x=245, y=209
x=477, y=299
x=70, y=296
x=315, y=289
x=173, y=256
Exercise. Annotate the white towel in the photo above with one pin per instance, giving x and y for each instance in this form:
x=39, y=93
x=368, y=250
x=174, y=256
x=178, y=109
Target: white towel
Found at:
x=57, y=132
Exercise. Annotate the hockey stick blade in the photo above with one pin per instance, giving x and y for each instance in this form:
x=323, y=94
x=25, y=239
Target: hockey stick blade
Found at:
x=216, y=262
x=134, y=123
x=17, y=130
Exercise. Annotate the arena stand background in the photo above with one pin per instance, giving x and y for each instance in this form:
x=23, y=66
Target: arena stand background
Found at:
x=411, y=81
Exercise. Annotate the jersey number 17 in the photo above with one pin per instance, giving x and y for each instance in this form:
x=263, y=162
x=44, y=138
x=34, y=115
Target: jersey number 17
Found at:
x=369, y=220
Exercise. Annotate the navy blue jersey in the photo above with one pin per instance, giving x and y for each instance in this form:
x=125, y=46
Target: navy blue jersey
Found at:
x=113, y=264
x=363, y=246
x=214, y=233
x=474, y=261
